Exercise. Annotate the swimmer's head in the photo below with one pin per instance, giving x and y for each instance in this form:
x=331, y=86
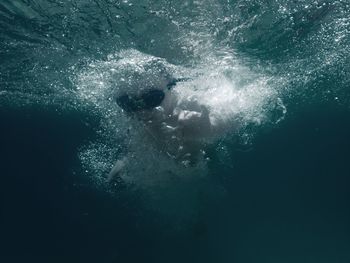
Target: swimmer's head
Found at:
x=145, y=101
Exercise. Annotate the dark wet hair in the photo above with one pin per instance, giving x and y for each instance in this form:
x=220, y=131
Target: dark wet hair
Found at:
x=146, y=101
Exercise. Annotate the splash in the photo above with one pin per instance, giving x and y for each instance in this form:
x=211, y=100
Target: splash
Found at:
x=234, y=95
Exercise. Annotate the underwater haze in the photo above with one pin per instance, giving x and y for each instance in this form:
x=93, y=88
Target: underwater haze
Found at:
x=272, y=186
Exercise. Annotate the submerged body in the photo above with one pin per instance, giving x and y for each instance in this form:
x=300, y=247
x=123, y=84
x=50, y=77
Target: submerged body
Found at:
x=179, y=126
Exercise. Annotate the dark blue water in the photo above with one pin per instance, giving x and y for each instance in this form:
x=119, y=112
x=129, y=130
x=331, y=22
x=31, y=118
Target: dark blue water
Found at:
x=274, y=189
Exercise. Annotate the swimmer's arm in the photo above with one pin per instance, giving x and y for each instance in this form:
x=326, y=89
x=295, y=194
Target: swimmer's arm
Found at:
x=117, y=169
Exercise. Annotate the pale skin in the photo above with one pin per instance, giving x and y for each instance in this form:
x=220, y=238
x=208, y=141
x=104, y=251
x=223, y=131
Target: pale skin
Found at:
x=178, y=127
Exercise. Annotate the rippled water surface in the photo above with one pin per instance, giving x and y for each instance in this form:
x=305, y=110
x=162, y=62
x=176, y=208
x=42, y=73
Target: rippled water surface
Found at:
x=271, y=186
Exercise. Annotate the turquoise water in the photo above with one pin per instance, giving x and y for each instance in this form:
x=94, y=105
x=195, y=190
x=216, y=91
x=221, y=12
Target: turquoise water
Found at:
x=273, y=187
